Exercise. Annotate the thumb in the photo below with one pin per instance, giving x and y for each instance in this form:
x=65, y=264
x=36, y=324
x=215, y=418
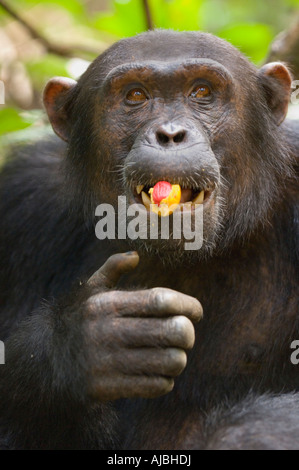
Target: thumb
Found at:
x=115, y=266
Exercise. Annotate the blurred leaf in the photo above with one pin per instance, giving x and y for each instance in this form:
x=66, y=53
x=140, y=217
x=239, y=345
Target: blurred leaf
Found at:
x=292, y=3
x=75, y=7
x=252, y=39
x=211, y=22
x=11, y=120
x=45, y=68
x=128, y=16
x=126, y=19
x=234, y=12
x=176, y=14
x=30, y=134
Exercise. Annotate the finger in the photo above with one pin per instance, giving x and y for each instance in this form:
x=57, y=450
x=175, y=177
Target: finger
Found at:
x=148, y=303
x=168, y=362
x=115, y=266
x=115, y=387
x=177, y=332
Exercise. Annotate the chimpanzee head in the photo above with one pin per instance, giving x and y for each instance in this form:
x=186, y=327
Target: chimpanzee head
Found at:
x=187, y=108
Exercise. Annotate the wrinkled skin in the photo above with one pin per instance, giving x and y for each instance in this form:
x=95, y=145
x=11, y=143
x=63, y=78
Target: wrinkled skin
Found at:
x=108, y=348
x=147, y=333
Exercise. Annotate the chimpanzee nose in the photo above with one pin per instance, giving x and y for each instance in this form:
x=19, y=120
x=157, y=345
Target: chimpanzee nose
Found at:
x=170, y=134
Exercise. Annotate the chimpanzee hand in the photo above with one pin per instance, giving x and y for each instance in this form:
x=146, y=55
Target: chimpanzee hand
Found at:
x=136, y=341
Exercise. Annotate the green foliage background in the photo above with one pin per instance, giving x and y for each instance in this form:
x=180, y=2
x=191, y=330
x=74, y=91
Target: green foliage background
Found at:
x=249, y=25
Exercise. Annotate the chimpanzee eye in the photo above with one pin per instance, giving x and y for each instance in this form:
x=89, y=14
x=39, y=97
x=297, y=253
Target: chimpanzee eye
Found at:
x=200, y=91
x=137, y=95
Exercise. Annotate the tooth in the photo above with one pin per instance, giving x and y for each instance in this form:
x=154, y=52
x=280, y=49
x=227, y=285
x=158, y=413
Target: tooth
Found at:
x=139, y=188
x=154, y=208
x=199, y=198
x=146, y=200
x=163, y=210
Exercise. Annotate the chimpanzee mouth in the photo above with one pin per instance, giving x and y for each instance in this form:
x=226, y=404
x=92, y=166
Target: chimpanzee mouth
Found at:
x=190, y=197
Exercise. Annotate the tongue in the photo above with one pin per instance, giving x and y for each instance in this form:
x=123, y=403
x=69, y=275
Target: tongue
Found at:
x=186, y=195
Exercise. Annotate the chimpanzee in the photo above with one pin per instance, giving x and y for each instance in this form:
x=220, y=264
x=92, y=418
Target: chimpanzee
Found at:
x=106, y=344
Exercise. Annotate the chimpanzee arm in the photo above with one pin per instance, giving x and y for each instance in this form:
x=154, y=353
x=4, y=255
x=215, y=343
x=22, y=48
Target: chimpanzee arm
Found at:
x=43, y=402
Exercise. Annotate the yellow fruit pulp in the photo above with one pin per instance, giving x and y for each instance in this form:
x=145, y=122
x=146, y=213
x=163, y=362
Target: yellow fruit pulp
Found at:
x=168, y=204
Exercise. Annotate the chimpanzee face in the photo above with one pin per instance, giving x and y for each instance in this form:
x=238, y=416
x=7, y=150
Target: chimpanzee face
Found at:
x=187, y=109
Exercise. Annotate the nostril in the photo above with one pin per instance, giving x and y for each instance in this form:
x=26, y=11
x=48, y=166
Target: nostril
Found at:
x=170, y=134
x=162, y=138
x=179, y=137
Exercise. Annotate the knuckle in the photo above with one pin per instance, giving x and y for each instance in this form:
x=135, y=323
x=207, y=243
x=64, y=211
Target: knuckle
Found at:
x=163, y=298
x=181, y=324
x=104, y=303
x=197, y=310
x=167, y=385
x=94, y=305
x=160, y=386
x=177, y=361
x=90, y=308
x=183, y=331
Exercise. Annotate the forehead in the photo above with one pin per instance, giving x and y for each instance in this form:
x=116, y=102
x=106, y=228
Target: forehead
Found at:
x=170, y=46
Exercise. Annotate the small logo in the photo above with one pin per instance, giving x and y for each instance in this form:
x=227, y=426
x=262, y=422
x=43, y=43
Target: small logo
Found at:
x=2, y=353
x=295, y=354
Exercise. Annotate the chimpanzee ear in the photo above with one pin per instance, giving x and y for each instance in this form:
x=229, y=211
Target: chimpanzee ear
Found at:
x=276, y=81
x=56, y=102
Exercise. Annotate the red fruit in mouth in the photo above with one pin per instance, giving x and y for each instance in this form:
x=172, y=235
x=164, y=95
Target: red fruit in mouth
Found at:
x=161, y=190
